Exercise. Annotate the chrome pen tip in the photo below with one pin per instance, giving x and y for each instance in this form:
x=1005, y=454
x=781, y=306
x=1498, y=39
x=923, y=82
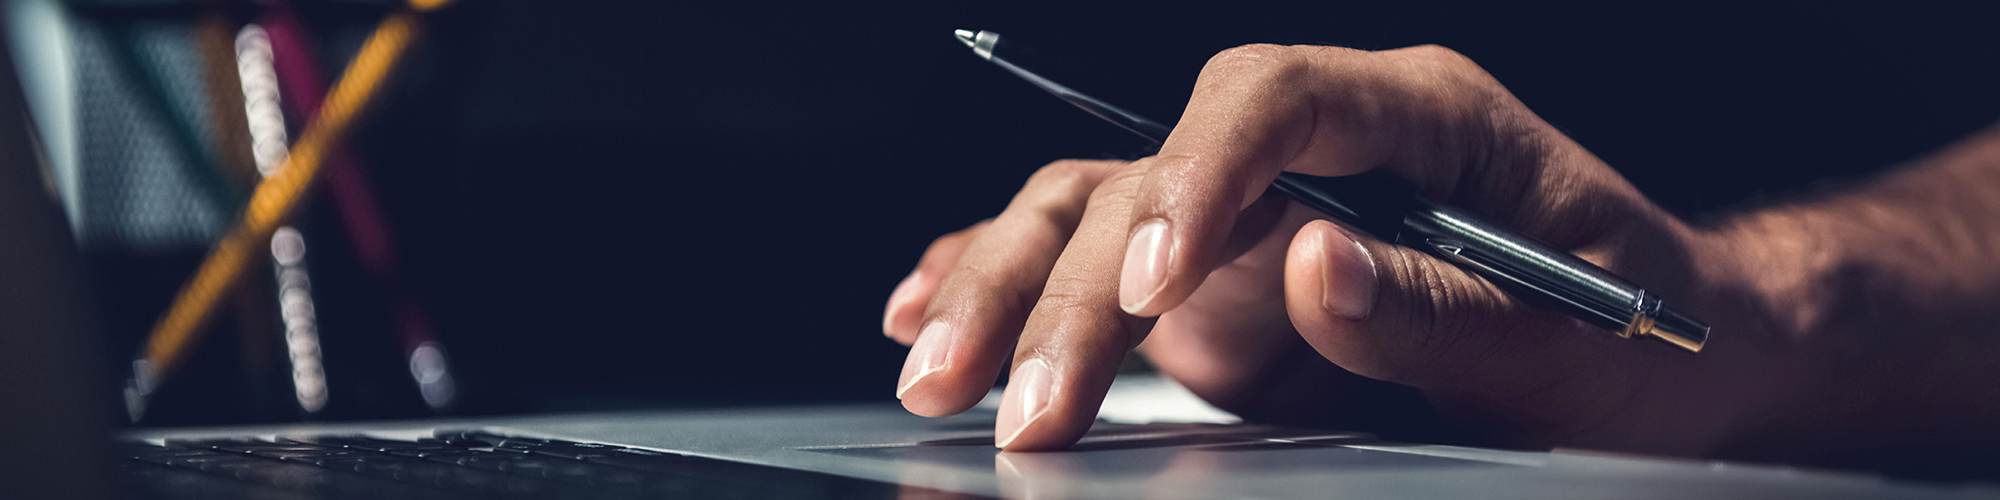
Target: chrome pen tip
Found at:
x=981, y=42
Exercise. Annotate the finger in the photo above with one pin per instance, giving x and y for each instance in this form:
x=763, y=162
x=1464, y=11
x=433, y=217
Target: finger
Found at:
x=1393, y=313
x=1259, y=110
x=971, y=323
x=906, y=304
x=1073, y=341
x=1220, y=343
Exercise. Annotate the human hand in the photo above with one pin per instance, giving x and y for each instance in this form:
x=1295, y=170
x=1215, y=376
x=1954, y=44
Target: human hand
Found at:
x=1074, y=272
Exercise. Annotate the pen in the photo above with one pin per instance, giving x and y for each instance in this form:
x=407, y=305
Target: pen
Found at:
x=1390, y=209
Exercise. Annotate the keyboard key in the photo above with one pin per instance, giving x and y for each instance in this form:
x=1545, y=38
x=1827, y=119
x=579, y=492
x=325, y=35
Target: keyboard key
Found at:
x=224, y=444
x=555, y=469
x=209, y=473
x=554, y=448
x=494, y=462
x=444, y=453
x=305, y=455
x=213, y=463
x=369, y=443
x=482, y=465
x=163, y=455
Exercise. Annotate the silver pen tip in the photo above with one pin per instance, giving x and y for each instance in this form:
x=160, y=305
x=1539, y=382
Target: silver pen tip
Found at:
x=968, y=37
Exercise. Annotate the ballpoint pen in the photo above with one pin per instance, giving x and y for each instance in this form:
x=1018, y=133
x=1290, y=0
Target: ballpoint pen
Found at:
x=1390, y=209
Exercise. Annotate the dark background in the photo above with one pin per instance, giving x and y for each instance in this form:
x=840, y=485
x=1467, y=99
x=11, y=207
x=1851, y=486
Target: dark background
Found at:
x=644, y=204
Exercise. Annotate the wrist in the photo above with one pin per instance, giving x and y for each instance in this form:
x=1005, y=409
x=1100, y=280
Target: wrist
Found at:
x=1810, y=282
x=1760, y=280
x=1785, y=260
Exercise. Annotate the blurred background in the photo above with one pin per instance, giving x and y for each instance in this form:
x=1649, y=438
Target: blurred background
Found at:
x=582, y=205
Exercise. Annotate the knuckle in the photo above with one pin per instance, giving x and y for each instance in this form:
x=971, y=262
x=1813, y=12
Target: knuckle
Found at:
x=1064, y=175
x=1437, y=53
x=1068, y=293
x=1079, y=305
x=1256, y=54
x=1056, y=194
x=1253, y=63
x=961, y=235
x=1062, y=297
x=1439, y=64
x=1121, y=185
x=943, y=241
x=972, y=276
x=988, y=288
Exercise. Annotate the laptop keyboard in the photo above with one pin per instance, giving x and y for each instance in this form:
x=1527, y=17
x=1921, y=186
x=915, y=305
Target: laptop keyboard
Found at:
x=460, y=464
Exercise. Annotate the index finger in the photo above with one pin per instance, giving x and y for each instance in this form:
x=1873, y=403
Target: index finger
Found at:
x=1260, y=110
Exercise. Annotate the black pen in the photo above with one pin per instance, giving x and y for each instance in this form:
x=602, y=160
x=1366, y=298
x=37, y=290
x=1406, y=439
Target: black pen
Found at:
x=1391, y=210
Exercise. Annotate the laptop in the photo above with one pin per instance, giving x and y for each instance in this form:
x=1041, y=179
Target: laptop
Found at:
x=58, y=440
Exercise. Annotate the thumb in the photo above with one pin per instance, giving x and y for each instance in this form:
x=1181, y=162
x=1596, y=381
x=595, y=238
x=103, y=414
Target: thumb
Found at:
x=1396, y=314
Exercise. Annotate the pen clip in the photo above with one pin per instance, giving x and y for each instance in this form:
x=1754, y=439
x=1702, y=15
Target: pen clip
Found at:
x=1459, y=254
x=1498, y=272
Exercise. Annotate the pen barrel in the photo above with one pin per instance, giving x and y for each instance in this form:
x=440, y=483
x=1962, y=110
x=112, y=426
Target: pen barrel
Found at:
x=1372, y=202
x=1526, y=266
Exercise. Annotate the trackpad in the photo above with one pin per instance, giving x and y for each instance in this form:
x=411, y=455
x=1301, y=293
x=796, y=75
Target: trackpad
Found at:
x=1114, y=451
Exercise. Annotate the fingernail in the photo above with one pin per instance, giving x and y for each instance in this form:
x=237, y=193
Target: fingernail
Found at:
x=1145, y=266
x=1028, y=394
x=899, y=299
x=927, y=356
x=1349, y=288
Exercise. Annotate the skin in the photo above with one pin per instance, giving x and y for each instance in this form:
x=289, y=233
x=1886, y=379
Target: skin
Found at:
x=1832, y=315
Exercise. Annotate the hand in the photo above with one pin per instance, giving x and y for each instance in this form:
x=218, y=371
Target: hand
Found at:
x=1184, y=256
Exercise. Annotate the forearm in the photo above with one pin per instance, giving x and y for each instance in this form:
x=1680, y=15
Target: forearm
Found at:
x=1918, y=244
x=1887, y=294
